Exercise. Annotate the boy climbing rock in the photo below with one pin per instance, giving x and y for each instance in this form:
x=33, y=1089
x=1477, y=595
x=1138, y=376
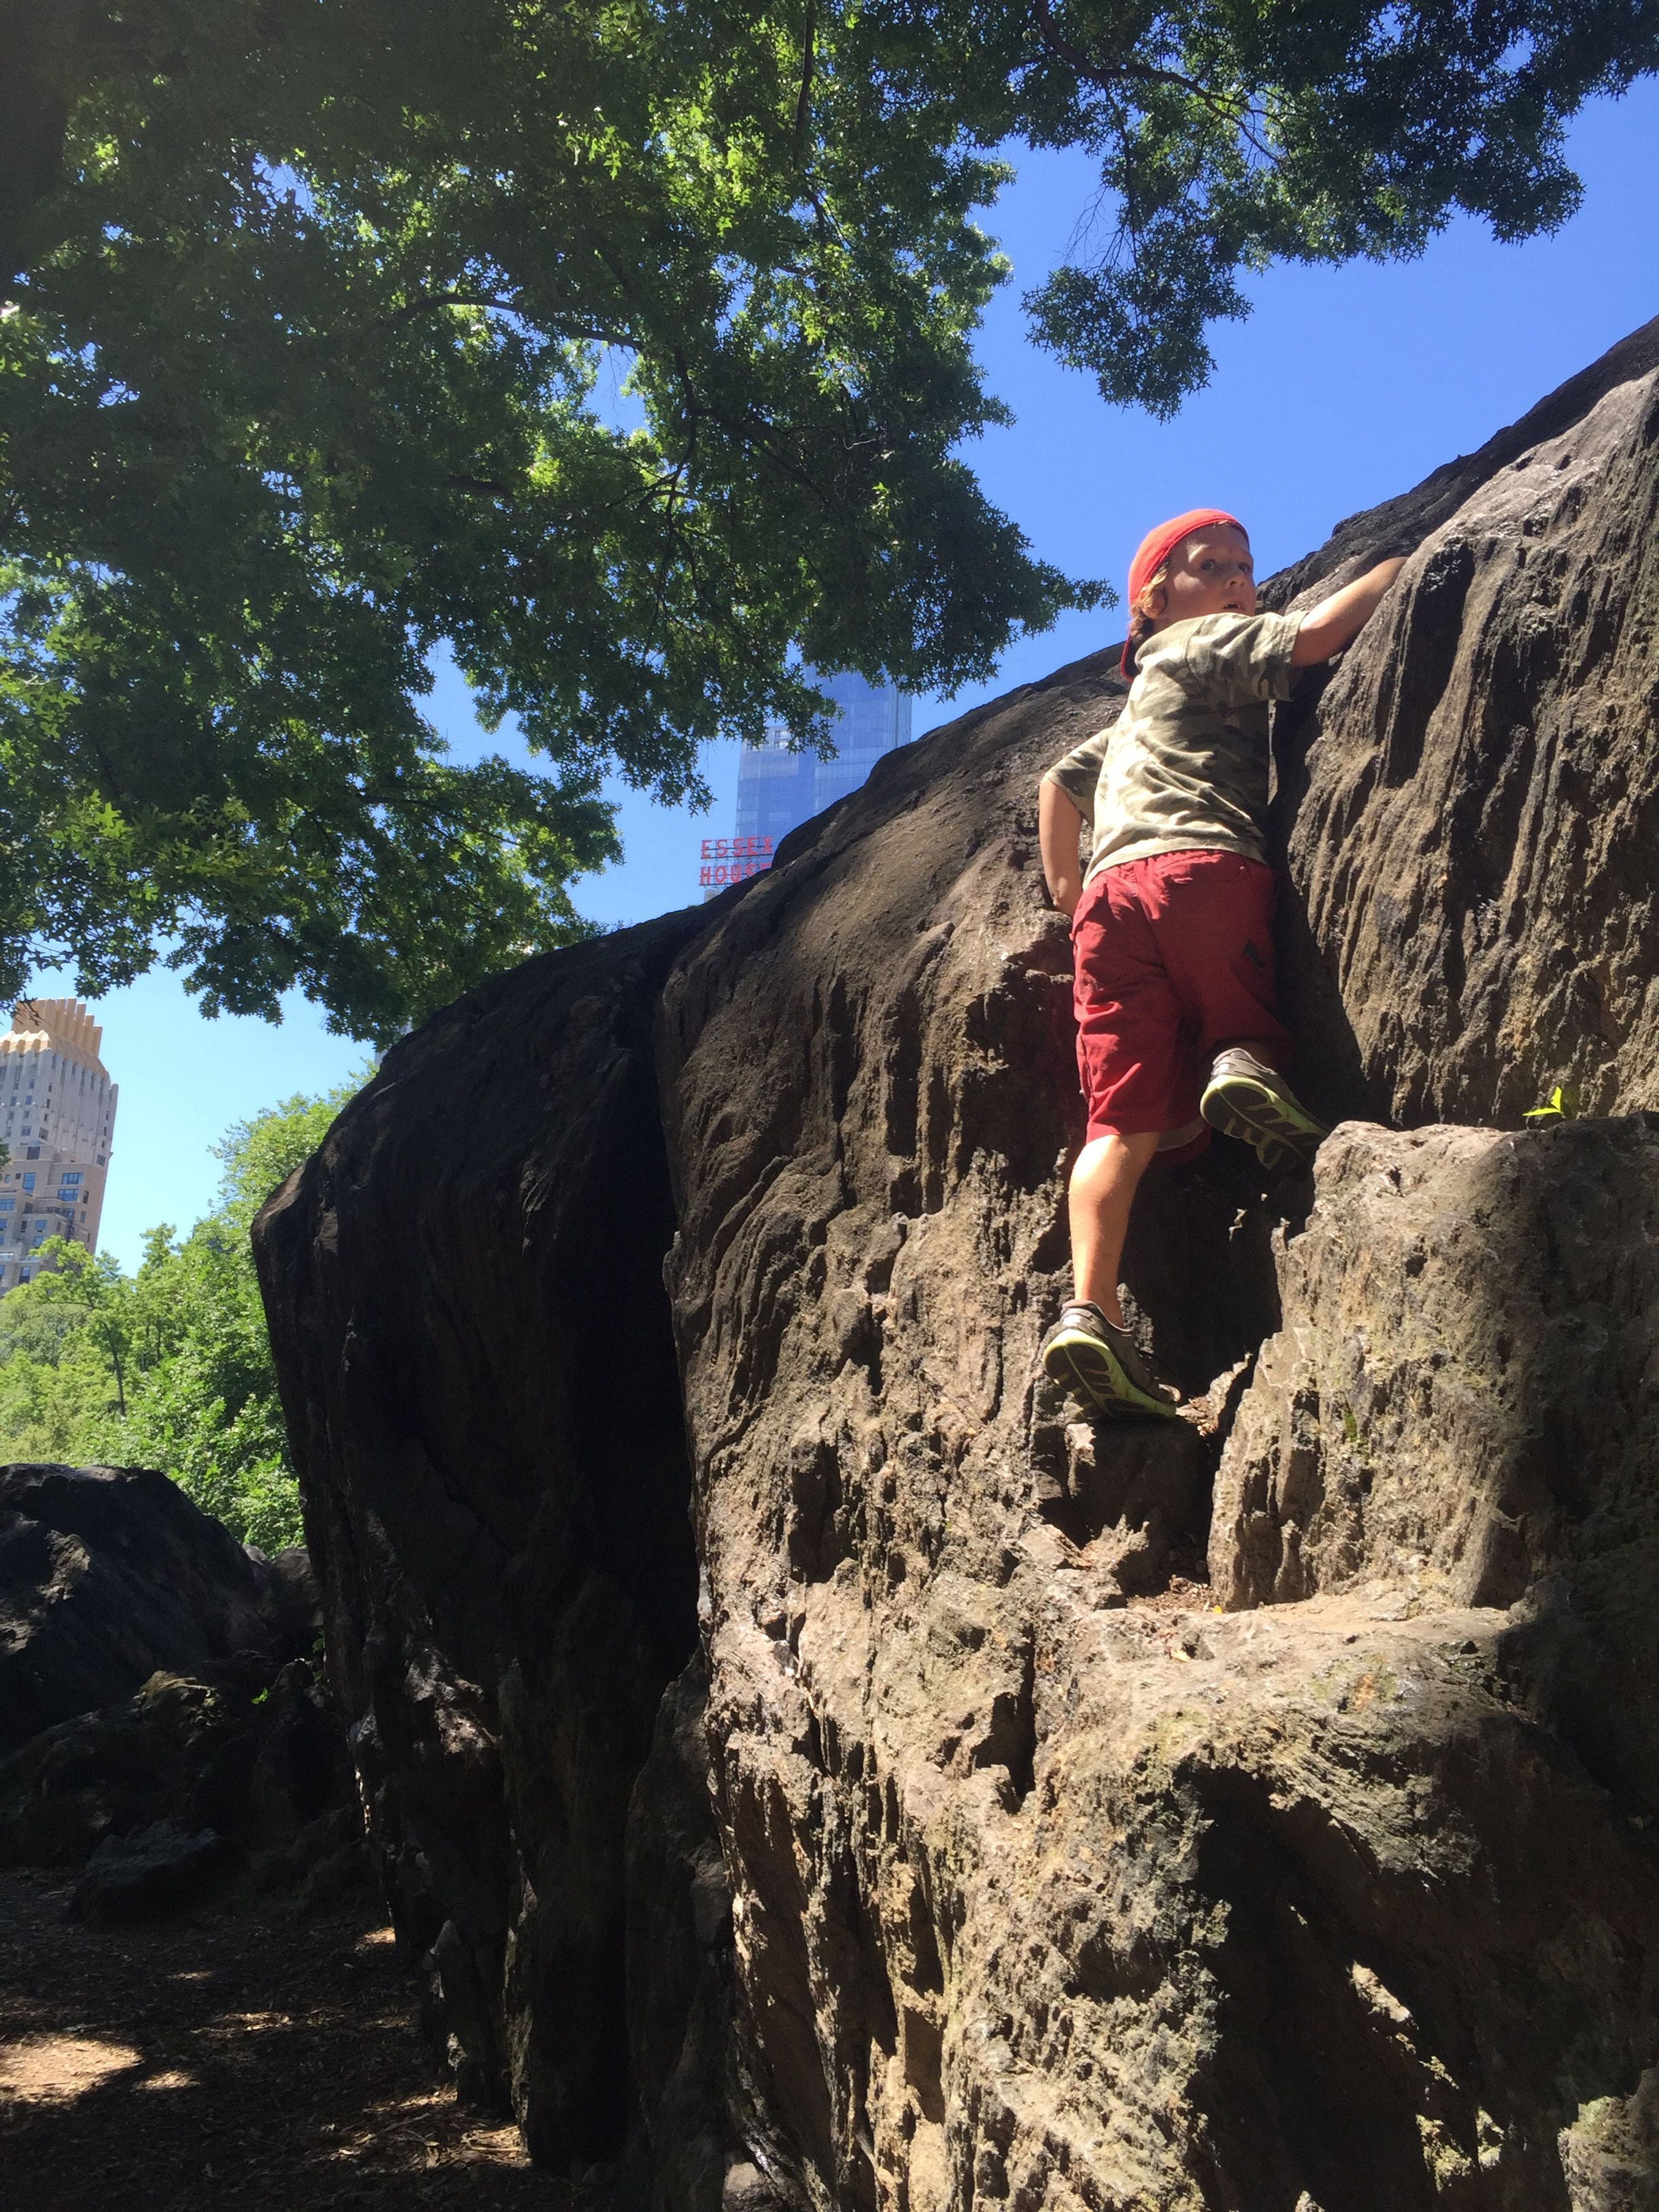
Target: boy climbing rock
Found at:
x=1172, y=924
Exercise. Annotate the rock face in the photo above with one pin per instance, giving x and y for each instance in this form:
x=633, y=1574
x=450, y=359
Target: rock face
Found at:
x=465, y=1298
x=1469, y=812
x=870, y=1095
x=978, y=1853
x=1505, y=1416
x=249, y=1755
x=158, y=1719
x=108, y=1574
x=1464, y=1410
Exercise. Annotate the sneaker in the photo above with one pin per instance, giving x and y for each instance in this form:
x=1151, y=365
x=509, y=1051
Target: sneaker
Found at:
x=1103, y=1367
x=1243, y=1098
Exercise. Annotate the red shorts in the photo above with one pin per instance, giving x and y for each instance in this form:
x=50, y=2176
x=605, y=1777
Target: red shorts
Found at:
x=1172, y=960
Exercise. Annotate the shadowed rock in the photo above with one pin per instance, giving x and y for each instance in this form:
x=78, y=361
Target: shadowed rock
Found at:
x=252, y=1755
x=1462, y=1395
x=466, y=1300
x=1463, y=1410
x=106, y=1575
x=141, y=1876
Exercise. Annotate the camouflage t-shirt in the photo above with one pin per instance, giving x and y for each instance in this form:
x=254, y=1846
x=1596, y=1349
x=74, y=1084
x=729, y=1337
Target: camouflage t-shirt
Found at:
x=1184, y=767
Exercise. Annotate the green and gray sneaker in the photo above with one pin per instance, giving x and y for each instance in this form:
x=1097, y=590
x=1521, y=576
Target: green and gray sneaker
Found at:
x=1244, y=1098
x=1102, y=1367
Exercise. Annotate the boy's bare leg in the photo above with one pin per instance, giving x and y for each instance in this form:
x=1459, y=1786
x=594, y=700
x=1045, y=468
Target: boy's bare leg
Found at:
x=1104, y=1181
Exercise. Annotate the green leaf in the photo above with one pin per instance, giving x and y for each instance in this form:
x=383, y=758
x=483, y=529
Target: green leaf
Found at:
x=1563, y=1105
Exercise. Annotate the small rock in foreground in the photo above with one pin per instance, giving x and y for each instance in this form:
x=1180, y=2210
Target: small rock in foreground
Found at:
x=139, y=1877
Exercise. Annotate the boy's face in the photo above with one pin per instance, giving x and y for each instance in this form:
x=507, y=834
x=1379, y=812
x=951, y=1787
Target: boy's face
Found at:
x=1211, y=573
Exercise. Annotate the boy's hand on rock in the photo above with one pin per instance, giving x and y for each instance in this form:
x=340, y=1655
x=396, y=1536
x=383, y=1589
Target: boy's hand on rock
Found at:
x=1336, y=621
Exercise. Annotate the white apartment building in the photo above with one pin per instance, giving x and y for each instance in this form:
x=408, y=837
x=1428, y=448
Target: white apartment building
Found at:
x=57, y=1117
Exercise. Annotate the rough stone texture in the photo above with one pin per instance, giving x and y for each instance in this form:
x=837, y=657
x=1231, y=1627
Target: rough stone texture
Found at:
x=1467, y=1391
x=1043, y=1884
x=465, y=1300
x=1464, y=1406
x=253, y=1754
x=107, y=1574
x=678, y=1970
x=1034, y=1900
x=1611, y=2156
x=146, y=1876
x=1469, y=812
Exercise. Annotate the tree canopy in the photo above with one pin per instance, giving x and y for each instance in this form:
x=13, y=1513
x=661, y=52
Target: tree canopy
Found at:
x=318, y=316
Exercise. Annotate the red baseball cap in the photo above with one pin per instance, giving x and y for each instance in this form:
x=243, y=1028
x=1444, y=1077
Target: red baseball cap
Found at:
x=1157, y=545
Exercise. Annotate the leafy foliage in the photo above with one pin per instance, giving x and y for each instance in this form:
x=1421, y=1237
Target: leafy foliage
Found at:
x=305, y=379
x=1233, y=136
x=171, y=1367
x=304, y=383
x=1564, y=1103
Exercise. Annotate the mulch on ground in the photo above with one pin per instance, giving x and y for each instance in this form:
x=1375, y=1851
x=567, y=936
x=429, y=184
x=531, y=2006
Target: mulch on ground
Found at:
x=230, y=2057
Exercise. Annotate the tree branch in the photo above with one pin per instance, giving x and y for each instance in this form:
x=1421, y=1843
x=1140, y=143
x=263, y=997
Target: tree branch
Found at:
x=1107, y=79
x=433, y=301
x=804, y=103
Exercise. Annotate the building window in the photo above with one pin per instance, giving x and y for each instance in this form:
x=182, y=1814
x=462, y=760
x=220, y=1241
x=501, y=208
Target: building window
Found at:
x=29, y=1182
x=33, y=1152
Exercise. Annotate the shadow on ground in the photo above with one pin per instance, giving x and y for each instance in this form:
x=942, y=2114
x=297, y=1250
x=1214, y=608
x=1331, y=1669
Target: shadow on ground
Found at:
x=230, y=2056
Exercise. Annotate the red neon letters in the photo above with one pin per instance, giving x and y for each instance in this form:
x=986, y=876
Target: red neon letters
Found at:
x=733, y=860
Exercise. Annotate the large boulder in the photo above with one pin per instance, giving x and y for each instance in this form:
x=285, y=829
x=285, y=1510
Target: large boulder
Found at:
x=107, y=1574
x=466, y=1300
x=1468, y=812
x=978, y=1853
x=1038, y=1900
x=251, y=1755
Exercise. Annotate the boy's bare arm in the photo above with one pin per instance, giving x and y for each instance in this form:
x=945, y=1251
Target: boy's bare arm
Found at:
x=1059, y=823
x=1336, y=621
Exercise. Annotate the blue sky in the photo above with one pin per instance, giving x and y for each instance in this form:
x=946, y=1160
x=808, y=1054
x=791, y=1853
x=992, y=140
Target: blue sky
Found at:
x=1342, y=388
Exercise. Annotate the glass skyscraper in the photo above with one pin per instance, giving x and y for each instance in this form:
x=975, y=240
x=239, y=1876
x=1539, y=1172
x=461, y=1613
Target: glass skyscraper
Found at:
x=778, y=790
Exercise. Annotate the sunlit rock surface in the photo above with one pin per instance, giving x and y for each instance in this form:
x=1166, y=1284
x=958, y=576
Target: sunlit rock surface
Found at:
x=983, y=1852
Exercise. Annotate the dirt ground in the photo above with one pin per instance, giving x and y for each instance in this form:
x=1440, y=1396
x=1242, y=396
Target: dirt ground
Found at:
x=227, y=2058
